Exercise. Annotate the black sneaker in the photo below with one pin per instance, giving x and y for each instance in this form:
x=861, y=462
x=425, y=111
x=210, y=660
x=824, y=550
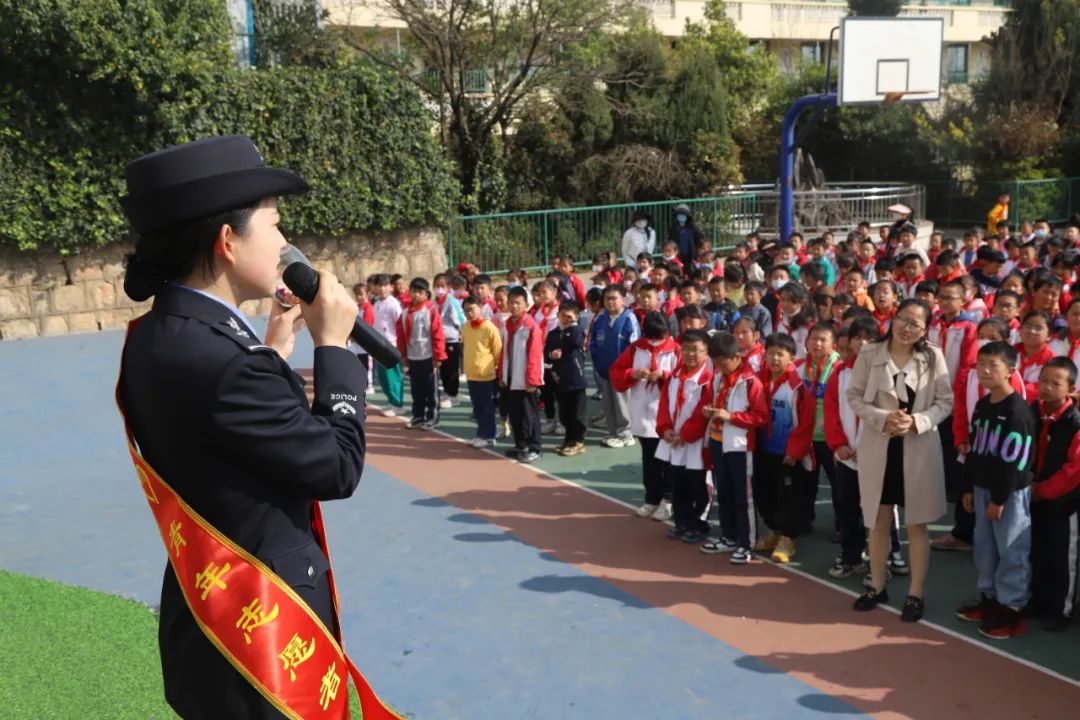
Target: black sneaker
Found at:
x=871, y=599
x=913, y=609
x=676, y=533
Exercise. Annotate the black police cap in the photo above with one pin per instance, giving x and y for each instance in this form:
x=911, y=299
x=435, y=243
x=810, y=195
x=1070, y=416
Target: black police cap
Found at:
x=187, y=182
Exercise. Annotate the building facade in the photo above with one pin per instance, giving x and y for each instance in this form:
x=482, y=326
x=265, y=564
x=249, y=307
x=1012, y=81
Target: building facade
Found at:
x=793, y=31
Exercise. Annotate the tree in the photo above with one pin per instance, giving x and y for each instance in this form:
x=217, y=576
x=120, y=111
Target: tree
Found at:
x=514, y=49
x=875, y=8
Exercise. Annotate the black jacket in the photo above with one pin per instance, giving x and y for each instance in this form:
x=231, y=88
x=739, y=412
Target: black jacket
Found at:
x=569, y=370
x=224, y=420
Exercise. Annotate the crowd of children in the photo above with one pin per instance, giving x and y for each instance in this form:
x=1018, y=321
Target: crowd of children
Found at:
x=730, y=373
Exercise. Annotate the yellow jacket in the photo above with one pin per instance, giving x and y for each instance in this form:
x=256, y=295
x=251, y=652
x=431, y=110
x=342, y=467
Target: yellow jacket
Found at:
x=482, y=346
x=997, y=214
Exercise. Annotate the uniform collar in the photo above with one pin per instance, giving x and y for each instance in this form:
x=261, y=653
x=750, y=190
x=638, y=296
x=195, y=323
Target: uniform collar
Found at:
x=176, y=299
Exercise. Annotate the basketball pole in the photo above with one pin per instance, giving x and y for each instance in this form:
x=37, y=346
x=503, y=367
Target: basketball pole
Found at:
x=787, y=155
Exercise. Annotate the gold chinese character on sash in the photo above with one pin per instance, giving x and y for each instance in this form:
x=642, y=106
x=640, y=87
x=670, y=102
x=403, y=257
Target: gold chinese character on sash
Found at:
x=175, y=538
x=210, y=578
x=330, y=683
x=253, y=616
x=148, y=489
x=296, y=652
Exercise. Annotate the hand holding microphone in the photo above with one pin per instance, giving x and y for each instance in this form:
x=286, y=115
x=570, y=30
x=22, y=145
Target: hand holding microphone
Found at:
x=330, y=313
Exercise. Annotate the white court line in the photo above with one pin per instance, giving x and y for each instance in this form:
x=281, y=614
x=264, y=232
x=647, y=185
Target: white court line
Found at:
x=801, y=573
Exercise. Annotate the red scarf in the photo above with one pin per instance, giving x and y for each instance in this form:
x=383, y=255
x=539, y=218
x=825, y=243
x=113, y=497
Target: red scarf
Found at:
x=477, y=323
x=682, y=375
x=408, y=318
x=1044, y=434
x=725, y=390
x=512, y=327
x=1041, y=357
x=883, y=321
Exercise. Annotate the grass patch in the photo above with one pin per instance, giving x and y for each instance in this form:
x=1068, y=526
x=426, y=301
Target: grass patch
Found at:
x=68, y=652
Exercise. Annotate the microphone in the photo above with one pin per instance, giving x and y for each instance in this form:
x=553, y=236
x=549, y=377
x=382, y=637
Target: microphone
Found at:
x=303, y=281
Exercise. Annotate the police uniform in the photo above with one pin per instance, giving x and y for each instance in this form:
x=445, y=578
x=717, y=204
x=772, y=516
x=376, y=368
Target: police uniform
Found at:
x=225, y=421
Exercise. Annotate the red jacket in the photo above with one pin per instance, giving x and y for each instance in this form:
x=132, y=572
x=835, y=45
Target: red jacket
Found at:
x=756, y=415
x=619, y=373
x=579, y=290
x=835, y=435
x=534, y=350
x=1035, y=361
x=367, y=312
x=438, y=339
x=800, y=443
x=694, y=428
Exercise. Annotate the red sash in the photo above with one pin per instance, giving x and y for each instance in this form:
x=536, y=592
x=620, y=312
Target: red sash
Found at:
x=251, y=616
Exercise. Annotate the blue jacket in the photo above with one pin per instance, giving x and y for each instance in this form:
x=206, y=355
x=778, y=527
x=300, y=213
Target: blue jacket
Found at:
x=607, y=341
x=569, y=369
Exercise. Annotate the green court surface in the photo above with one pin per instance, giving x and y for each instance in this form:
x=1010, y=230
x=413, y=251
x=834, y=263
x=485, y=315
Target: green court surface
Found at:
x=68, y=652
x=616, y=473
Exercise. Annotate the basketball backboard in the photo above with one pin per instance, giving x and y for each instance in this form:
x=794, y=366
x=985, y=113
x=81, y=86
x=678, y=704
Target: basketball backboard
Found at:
x=890, y=59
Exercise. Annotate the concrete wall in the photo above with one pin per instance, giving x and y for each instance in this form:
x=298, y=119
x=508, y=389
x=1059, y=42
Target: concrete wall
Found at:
x=46, y=294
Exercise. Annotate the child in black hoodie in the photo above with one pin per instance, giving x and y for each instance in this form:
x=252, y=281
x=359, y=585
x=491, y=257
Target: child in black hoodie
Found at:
x=999, y=466
x=564, y=349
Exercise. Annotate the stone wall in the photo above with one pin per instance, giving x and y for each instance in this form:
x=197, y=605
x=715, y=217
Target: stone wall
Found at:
x=46, y=294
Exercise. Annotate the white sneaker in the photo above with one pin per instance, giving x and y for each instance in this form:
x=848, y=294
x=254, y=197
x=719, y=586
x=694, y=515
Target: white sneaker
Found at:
x=370, y=390
x=507, y=431
x=446, y=403
x=389, y=411
x=646, y=510
x=663, y=512
x=628, y=441
x=613, y=442
x=717, y=545
x=477, y=442
x=547, y=427
x=559, y=429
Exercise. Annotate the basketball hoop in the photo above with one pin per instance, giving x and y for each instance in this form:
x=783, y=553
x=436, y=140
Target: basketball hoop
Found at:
x=905, y=69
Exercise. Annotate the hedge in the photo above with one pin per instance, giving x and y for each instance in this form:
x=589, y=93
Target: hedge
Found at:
x=86, y=85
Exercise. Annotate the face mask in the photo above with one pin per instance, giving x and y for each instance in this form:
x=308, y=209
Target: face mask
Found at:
x=641, y=224
x=513, y=284
x=628, y=284
x=669, y=258
x=681, y=219
x=777, y=284
x=440, y=292
x=1040, y=233
x=597, y=268
x=706, y=266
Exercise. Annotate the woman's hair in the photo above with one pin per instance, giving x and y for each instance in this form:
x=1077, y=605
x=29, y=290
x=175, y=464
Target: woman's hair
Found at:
x=176, y=252
x=797, y=293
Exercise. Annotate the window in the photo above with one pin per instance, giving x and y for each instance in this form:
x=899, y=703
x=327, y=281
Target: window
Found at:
x=956, y=63
x=813, y=53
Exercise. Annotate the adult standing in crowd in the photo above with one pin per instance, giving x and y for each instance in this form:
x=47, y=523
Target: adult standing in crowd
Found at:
x=685, y=234
x=900, y=390
x=639, y=238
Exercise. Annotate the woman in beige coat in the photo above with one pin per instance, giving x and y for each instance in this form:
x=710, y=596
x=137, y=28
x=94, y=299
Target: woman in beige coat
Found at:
x=900, y=391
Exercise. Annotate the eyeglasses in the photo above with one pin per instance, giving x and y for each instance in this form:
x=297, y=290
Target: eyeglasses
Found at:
x=949, y=298
x=1035, y=329
x=908, y=324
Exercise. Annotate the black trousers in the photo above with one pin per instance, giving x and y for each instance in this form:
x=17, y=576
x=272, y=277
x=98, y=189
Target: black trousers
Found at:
x=689, y=499
x=425, y=406
x=738, y=521
x=524, y=411
x=655, y=474
x=450, y=370
x=547, y=394
x=826, y=462
x=848, y=501
x=963, y=521
x=779, y=494
x=572, y=415
x=1054, y=546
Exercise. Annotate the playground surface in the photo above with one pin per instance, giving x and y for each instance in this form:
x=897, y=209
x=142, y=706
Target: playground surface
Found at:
x=474, y=587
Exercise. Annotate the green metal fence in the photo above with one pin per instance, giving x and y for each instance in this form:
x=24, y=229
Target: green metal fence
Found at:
x=497, y=243
x=961, y=204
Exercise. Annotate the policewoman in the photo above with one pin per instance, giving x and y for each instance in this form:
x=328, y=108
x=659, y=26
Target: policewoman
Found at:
x=230, y=456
